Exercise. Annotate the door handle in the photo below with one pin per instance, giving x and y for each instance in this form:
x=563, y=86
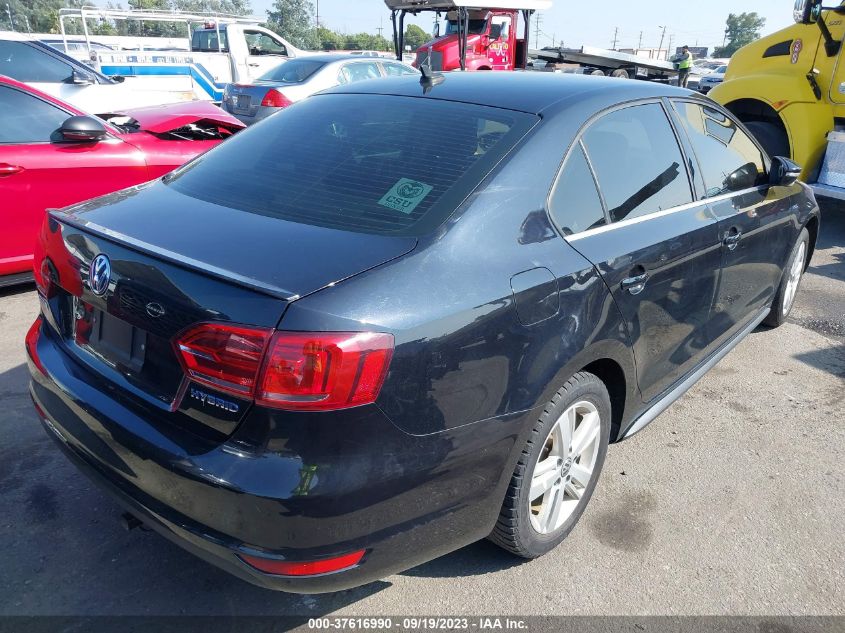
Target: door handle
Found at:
x=635, y=285
x=9, y=170
x=732, y=239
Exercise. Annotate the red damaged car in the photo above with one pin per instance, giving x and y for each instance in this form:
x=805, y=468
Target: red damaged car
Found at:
x=53, y=155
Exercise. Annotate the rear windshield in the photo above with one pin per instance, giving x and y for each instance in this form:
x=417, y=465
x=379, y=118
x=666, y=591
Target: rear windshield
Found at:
x=293, y=72
x=207, y=42
x=365, y=163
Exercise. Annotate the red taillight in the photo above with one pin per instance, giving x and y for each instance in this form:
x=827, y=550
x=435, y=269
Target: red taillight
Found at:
x=324, y=371
x=31, y=343
x=227, y=357
x=275, y=99
x=310, y=568
x=301, y=371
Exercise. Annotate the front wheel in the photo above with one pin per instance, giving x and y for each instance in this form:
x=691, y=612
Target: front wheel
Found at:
x=792, y=274
x=557, y=470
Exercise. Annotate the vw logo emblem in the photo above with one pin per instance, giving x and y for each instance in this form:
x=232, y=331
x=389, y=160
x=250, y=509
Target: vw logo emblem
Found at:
x=155, y=310
x=99, y=275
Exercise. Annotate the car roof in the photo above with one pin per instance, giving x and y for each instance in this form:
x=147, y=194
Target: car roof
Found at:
x=340, y=57
x=15, y=36
x=530, y=91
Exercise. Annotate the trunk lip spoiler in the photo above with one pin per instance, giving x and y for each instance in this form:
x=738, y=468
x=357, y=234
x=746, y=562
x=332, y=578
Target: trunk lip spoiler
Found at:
x=146, y=248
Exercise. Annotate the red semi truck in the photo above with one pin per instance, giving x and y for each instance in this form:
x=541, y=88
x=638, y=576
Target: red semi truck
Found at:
x=477, y=35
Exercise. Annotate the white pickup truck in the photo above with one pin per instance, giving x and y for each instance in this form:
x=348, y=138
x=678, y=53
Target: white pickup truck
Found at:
x=219, y=50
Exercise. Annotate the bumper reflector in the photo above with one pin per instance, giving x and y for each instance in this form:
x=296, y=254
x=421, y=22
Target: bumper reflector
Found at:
x=309, y=568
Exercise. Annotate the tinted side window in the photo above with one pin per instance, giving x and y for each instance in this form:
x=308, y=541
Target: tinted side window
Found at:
x=637, y=162
x=729, y=159
x=20, y=61
x=26, y=119
x=575, y=204
x=207, y=42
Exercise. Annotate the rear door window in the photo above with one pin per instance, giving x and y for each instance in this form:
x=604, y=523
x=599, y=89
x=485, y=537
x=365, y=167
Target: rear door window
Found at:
x=729, y=159
x=637, y=162
x=23, y=62
x=367, y=163
x=360, y=71
x=207, y=42
x=395, y=70
x=575, y=204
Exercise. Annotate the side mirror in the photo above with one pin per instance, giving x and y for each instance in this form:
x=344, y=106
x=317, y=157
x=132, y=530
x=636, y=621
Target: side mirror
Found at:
x=784, y=172
x=807, y=11
x=82, y=129
x=79, y=78
x=743, y=178
x=436, y=30
x=485, y=41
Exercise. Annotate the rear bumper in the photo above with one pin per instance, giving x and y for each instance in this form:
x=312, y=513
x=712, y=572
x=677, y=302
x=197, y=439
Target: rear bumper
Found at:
x=261, y=113
x=303, y=497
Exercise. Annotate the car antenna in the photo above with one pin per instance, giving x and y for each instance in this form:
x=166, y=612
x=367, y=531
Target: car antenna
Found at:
x=429, y=79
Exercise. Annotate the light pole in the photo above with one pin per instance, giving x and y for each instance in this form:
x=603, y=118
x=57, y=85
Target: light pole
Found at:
x=663, y=35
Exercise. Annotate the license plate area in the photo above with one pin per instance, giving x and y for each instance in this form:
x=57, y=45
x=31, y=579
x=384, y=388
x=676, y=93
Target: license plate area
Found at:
x=243, y=102
x=113, y=340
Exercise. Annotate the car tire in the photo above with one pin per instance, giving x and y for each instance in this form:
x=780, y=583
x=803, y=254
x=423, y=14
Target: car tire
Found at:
x=791, y=281
x=531, y=527
x=620, y=73
x=598, y=73
x=773, y=139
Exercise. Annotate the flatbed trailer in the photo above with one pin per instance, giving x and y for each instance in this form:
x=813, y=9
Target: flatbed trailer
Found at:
x=598, y=61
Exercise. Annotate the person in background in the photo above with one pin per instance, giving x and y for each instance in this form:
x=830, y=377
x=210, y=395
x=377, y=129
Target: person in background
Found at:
x=684, y=61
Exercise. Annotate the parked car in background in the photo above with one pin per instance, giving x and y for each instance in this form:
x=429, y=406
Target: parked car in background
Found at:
x=55, y=73
x=708, y=82
x=52, y=155
x=398, y=318
x=300, y=78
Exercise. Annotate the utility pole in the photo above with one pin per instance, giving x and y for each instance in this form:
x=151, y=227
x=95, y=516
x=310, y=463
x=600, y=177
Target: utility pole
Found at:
x=640, y=45
x=318, y=13
x=9, y=13
x=537, y=37
x=660, y=48
x=381, y=27
x=669, y=48
x=615, y=38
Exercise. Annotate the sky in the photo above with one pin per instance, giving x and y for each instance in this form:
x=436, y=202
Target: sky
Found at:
x=579, y=23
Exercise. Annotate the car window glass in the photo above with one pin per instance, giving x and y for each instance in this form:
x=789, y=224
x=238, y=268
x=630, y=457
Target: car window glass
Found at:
x=367, y=163
x=207, y=42
x=294, y=71
x=360, y=71
x=20, y=61
x=27, y=119
x=262, y=44
x=575, y=204
x=637, y=161
x=398, y=69
x=729, y=159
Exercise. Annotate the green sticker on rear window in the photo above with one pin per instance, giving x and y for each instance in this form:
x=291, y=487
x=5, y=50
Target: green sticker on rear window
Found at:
x=405, y=195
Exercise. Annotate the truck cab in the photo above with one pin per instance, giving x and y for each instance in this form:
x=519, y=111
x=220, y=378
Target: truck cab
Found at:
x=789, y=90
x=492, y=43
x=253, y=50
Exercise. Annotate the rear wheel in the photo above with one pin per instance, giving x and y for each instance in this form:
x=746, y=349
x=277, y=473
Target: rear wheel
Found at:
x=620, y=73
x=557, y=470
x=598, y=73
x=773, y=139
x=792, y=274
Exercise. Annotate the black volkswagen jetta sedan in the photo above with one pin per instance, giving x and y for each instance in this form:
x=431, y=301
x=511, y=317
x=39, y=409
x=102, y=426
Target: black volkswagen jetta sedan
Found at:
x=398, y=318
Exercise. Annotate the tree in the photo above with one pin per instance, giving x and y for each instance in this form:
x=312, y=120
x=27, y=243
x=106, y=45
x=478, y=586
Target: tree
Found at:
x=293, y=20
x=741, y=29
x=329, y=40
x=366, y=42
x=415, y=37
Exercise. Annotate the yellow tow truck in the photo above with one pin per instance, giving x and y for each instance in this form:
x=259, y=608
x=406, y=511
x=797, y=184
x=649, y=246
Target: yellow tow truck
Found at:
x=789, y=90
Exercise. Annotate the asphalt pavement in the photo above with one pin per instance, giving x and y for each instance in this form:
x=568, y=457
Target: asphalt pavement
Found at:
x=730, y=503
